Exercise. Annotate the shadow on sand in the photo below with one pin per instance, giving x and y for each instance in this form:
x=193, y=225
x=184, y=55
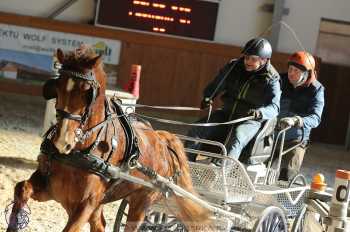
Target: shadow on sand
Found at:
x=18, y=163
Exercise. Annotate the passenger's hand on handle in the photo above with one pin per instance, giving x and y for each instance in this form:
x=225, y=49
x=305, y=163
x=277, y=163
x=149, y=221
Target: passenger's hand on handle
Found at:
x=291, y=122
x=255, y=113
x=206, y=102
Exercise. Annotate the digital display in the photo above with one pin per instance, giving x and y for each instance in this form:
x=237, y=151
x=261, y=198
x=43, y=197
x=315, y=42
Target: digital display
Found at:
x=190, y=18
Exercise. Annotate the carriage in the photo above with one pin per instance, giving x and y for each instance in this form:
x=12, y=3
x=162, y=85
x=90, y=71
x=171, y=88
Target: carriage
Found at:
x=243, y=196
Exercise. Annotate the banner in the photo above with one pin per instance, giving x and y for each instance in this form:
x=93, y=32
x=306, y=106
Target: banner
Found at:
x=26, y=53
x=46, y=42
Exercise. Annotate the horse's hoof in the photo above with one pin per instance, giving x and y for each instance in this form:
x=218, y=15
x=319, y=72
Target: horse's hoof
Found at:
x=11, y=230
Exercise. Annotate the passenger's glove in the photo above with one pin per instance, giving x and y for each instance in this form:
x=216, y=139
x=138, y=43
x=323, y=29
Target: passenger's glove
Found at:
x=206, y=102
x=291, y=121
x=255, y=113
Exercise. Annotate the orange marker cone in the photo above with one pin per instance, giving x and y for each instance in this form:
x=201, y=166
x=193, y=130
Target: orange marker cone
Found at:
x=318, y=183
x=133, y=85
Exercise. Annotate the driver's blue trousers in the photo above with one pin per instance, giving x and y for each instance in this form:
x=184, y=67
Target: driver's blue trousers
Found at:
x=240, y=136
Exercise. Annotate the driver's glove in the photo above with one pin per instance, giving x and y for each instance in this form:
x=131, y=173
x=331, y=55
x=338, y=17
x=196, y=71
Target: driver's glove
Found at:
x=255, y=113
x=291, y=122
x=206, y=102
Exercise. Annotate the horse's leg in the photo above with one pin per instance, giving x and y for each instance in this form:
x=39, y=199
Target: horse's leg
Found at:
x=138, y=204
x=36, y=188
x=79, y=216
x=97, y=220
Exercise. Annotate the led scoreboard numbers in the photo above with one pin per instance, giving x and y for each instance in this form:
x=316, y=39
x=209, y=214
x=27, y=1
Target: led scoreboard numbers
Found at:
x=190, y=18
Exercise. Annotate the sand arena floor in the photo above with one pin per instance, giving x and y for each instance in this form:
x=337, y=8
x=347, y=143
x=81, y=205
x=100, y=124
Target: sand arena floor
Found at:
x=21, y=120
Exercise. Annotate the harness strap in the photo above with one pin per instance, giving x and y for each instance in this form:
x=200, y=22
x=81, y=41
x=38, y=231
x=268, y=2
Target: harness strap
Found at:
x=64, y=114
x=131, y=144
x=89, y=76
x=78, y=159
x=98, y=139
x=85, y=159
x=114, y=139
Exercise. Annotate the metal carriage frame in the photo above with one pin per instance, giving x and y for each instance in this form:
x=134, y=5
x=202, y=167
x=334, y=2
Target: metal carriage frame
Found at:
x=238, y=201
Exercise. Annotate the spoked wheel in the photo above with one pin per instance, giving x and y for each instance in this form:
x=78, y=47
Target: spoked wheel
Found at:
x=161, y=222
x=154, y=221
x=272, y=219
x=122, y=214
x=308, y=221
x=299, y=221
x=272, y=176
x=298, y=179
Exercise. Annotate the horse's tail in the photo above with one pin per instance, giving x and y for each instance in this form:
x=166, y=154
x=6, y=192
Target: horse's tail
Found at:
x=191, y=213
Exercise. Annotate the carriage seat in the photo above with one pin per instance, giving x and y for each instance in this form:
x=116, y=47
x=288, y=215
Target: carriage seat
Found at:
x=259, y=149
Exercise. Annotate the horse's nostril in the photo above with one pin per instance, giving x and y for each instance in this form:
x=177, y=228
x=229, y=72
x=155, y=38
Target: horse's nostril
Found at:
x=68, y=147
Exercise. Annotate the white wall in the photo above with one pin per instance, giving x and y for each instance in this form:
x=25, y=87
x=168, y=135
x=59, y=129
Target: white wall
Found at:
x=241, y=20
x=305, y=17
x=238, y=20
x=80, y=11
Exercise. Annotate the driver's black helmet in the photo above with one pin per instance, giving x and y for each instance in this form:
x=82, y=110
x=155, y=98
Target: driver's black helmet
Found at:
x=258, y=47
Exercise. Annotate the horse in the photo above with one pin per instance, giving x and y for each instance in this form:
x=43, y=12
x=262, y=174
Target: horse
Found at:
x=88, y=127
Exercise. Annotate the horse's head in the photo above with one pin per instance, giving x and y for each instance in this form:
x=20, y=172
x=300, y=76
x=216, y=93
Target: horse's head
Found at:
x=79, y=92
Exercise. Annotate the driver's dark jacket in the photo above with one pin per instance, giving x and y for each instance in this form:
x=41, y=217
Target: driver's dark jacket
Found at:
x=244, y=90
x=304, y=101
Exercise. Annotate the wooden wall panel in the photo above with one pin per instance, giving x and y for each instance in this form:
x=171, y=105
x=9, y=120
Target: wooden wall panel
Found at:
x=12, y=86
x=170, y=76
x=173, y=76
x=159, y=78
x=337, y=108
x=185, y=86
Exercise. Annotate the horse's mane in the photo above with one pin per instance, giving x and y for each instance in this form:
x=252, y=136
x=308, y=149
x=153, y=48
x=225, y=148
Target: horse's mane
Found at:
x=79, y=58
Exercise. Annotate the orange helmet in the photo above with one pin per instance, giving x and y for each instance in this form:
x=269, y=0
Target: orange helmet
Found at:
x=304, y=59
x=306, y=62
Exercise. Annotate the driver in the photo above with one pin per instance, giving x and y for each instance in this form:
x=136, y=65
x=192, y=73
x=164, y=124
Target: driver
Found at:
x=250, y=87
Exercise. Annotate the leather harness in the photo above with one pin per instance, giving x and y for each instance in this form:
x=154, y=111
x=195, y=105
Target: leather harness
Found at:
x=86, y=159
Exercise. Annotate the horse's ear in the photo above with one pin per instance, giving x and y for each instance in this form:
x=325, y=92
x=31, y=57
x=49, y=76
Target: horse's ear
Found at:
x=96, y=61
x=60, y=55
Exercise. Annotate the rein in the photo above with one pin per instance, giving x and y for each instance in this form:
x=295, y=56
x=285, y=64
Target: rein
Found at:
x=193, y=124
x=81, y=135
x=184, y=108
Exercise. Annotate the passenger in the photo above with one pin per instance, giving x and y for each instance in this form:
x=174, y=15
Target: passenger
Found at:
x=302, y=104
x=250, y=86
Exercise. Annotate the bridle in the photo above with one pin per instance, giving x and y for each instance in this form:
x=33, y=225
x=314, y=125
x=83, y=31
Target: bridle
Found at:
x=89, y=76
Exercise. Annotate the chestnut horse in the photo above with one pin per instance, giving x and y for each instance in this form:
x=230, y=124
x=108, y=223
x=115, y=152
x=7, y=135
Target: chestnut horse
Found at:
x=84, y=123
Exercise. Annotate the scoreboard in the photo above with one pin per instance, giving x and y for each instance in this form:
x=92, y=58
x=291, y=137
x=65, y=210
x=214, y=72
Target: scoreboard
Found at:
x=189, y=18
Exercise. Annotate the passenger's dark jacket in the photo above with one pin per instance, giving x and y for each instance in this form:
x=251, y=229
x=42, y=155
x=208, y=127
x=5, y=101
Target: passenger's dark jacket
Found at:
x=244, y=90
x=304, y=101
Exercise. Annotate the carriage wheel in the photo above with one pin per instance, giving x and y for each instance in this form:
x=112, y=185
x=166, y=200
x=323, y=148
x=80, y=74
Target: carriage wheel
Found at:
x=298, y=179
x=272, y=219
x=272, y=176
x=299, y=221
x=161, y=222
x=154, y=222
x=122, y=214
